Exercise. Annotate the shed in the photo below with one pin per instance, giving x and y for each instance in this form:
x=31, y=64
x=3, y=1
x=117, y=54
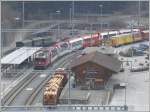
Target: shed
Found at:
x=94, y=69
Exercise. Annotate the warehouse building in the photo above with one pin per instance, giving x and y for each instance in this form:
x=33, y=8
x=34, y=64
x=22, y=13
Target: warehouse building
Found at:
x=93, y=70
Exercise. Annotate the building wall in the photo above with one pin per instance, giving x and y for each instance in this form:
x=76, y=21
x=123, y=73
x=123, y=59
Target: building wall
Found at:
x=86, y=71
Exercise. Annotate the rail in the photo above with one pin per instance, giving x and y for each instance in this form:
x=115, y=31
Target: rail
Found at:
x=16, y=91
x=65, y=108
x=35, y=93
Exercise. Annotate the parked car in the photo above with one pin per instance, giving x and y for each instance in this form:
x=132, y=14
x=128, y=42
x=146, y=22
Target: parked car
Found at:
x=119, y=86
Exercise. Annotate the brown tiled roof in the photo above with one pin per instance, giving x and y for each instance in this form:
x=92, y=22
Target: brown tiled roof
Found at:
x=108, y=62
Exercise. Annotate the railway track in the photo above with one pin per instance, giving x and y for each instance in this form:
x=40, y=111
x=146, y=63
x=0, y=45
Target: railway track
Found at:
x=39, y=89
x=36, y=98
x=29, y=91
x=10, y=99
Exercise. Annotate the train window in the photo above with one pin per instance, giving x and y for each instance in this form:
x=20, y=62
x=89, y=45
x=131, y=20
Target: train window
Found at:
x=54, y=52
x=110, y=35
x=76, y=43
x=40, y=59
x=42, y=56
x=87, y=40
x=73, y=44
x=64, y=46
x=105, y=36
x=37, y=42
x=80, y=42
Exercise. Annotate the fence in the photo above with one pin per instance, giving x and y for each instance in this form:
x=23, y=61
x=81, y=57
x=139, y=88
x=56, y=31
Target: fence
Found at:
x=65, y=108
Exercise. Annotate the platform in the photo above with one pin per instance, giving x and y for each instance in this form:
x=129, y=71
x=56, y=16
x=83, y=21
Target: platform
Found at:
x=78, y=96
x=19, y=55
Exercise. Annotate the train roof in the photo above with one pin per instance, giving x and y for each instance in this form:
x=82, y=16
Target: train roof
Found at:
x=86, y=36
x=145, y=31
x=74, y=40
x=126, y=34
x=128, y=30
x=109, y=32
x=121, y=34
x=89, y=35
x=41, y=54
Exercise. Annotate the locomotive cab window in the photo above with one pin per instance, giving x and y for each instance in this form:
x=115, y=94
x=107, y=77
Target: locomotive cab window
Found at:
x=54, y=52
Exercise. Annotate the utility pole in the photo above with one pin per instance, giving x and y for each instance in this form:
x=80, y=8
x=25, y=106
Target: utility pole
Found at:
x=71, y=21
x=23, y=14
x=72, y=8
x=58, y=12
x=72, y=17
x=101, y=8
x=139, y=13
x=0, y=63
x=21, y=38
x=69, y=87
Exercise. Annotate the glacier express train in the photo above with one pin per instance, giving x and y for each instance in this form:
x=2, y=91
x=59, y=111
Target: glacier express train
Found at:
x=46, y=56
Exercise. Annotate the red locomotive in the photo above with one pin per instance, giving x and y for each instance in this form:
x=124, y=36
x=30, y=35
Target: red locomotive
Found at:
x=42, y=58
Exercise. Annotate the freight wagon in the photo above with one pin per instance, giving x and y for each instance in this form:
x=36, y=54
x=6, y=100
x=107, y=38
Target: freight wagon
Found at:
x=136, y=36
x=145, y=34
x=123, y=39
x=36, y=42
x=54, y=86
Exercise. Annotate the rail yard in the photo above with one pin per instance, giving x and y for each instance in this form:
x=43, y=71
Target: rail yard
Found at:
x=75, y=62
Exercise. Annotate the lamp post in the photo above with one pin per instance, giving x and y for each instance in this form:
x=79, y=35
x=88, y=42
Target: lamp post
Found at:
x=139, y=13
x=22, y=19
x=17, y=20
x=58, y=30
x=23, y=14
x=101, y=8
x=71, y=20
x=69, y=94
x=131, y=25
x=72, y=17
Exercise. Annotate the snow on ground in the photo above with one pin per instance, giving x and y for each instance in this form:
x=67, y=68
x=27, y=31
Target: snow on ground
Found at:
x=137, y=88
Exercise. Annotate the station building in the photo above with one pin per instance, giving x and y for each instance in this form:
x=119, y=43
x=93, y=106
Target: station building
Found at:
x=92, y=70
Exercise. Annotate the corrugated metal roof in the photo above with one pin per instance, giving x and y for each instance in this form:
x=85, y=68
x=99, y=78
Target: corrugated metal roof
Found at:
x=108, y=62
x=19, y=55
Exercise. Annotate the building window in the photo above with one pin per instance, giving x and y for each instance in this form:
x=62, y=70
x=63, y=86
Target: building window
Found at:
x=90, y=72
